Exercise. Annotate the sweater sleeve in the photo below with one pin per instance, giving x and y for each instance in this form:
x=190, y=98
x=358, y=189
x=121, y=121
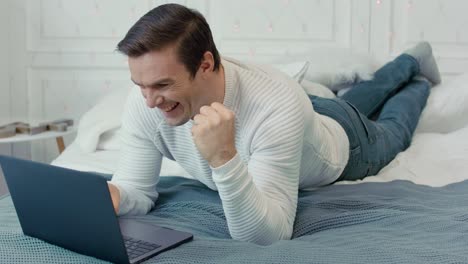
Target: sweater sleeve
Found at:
x=139, y=166
x=260, y=198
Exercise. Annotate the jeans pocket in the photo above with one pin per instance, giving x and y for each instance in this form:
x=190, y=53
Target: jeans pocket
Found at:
x=355, y=156
x=370, y=134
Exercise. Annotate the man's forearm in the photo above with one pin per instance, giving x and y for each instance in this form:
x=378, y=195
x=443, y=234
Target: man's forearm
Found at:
x=252, y=215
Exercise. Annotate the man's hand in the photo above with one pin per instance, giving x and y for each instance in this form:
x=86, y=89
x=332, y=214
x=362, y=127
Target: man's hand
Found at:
x=115, y=195
x=213, y=133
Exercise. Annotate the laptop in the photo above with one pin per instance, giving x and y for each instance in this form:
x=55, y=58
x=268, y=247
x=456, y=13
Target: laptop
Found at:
x=74, y=210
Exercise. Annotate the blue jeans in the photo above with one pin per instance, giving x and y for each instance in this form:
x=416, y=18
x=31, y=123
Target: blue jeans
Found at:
x=395, y=99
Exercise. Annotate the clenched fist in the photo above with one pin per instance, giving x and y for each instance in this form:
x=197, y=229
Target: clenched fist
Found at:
x=213, y=132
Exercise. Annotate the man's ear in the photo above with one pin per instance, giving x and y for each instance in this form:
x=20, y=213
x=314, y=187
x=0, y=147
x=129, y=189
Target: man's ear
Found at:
x=207, y=64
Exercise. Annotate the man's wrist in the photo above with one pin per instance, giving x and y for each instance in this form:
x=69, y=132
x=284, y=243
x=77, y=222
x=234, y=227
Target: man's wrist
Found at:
x=222, y=158
x=115, y=196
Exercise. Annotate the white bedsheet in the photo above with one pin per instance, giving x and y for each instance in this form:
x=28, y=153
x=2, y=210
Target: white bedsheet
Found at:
x=433, y=159
x=99, y=161
x=105, y=161
x=437, y=156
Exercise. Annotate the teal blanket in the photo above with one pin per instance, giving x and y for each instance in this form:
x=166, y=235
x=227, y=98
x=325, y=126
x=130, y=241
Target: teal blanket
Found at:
x=396, y=222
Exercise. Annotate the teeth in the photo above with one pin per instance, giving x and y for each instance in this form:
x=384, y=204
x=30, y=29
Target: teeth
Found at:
x=169, y=108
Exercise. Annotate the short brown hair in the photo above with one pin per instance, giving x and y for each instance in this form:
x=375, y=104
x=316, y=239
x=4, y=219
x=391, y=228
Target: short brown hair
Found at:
x=172, y=24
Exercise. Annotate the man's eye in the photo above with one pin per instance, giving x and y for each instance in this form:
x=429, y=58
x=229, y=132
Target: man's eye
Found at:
x=160, y=85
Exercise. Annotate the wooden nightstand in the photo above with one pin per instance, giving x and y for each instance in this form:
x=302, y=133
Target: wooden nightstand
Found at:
x=44, y=135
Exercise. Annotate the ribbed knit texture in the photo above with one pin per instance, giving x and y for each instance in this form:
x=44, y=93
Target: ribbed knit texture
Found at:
x=395, y=222
x=282, y=145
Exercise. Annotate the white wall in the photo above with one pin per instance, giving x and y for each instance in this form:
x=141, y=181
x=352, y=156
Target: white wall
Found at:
x=4, y=71
x=4, y=83
x=64, y=60
x=13, y=78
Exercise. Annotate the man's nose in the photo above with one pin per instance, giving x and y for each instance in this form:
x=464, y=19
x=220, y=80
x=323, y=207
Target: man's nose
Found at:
x=153, y=99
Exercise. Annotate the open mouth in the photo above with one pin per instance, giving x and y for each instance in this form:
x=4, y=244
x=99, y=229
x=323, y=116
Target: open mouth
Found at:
x=171, y=108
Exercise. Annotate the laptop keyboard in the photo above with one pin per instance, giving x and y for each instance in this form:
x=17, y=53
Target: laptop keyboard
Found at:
x=136, y=248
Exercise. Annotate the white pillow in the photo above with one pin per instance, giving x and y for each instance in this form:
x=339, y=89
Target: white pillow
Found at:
x=334, y=68
x=103, y=117
x=340, y=70
x=110, y=140
x=294, y=70
x=316, y=89
x=447, y=107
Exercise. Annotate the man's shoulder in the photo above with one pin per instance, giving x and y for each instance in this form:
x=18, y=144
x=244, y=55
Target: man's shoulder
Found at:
x=264, y=84
x=256, y=76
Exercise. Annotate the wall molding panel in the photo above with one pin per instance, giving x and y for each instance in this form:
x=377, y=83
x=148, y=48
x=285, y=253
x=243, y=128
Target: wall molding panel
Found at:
x=443, y=23
x=55, y=93
x=80, y=26
x=65, y=49
x=256, y=30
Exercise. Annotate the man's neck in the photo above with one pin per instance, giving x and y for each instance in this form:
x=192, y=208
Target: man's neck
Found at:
x=215, y=89
x=221, y=85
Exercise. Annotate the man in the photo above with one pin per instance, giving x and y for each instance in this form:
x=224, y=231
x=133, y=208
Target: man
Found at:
x=250, y=132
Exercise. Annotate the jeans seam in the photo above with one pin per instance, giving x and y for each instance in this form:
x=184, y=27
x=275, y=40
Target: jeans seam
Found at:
x=418, y=71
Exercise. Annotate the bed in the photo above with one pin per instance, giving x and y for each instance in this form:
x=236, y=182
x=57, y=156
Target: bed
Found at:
x=415, y=210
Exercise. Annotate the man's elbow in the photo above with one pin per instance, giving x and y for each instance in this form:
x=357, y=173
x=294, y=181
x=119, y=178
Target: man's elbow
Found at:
x=265, y=238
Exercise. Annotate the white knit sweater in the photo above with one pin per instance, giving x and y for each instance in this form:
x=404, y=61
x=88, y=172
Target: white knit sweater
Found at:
x=282, y=146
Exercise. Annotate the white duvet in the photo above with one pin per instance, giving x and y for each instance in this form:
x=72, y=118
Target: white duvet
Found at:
x=437, y=156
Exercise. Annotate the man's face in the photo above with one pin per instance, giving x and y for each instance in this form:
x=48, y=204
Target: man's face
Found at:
x=165, y=83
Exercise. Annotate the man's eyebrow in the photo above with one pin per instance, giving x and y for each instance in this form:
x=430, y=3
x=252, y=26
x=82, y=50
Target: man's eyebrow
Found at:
x=163, y=80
